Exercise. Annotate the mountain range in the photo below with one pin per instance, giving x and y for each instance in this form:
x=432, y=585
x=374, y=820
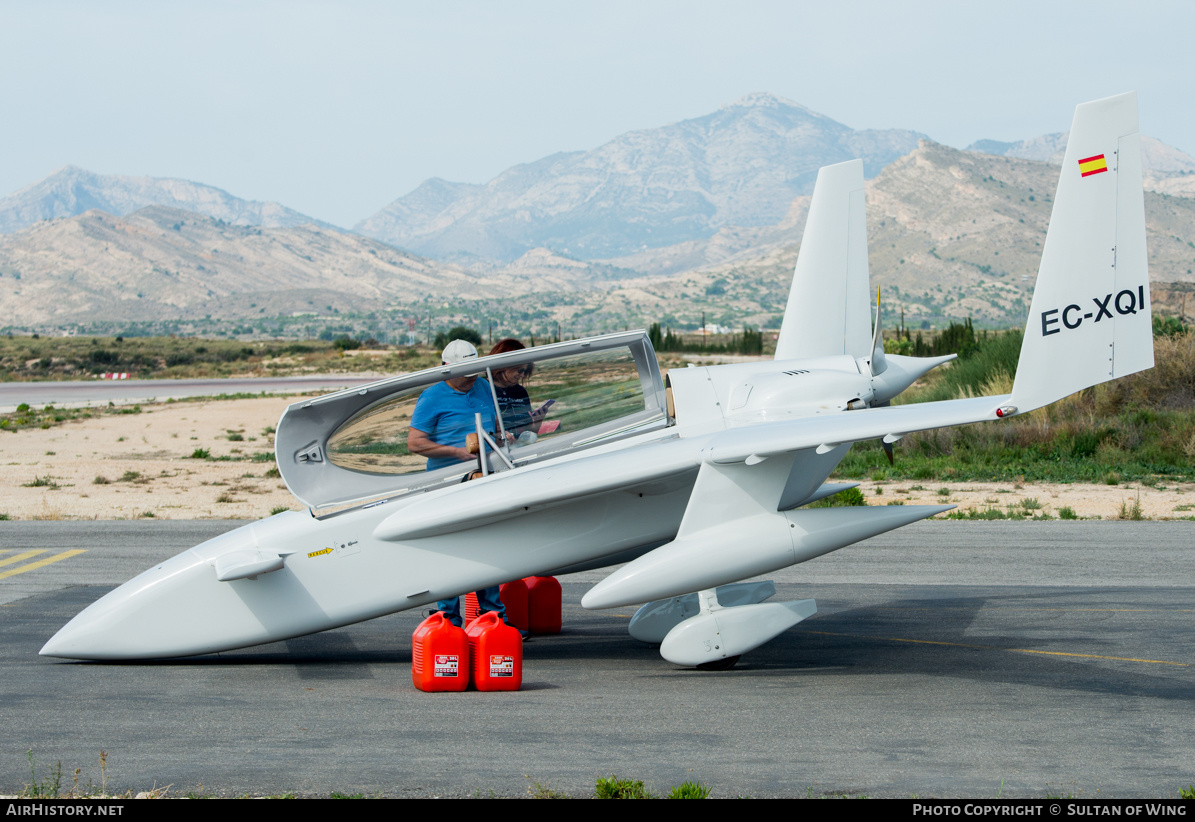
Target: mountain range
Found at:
x=741, y=165
x=951, y=234
x=662, y=224
x=161, y=262
x=1166, y=169
x=70, y=191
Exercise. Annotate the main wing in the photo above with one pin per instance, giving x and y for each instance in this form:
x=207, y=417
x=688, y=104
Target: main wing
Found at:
x=744, y=494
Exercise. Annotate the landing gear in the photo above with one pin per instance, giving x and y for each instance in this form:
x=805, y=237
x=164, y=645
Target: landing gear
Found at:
x=717, y=636
x=724, y=664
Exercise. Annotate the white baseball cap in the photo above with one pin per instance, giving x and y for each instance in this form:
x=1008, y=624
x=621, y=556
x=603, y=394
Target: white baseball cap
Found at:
x=458, y=351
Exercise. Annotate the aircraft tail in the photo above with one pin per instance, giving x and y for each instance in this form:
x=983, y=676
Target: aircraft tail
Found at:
x=1090, y=317
x=828, y=311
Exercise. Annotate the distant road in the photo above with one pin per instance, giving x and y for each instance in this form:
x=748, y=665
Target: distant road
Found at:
x=95, y=392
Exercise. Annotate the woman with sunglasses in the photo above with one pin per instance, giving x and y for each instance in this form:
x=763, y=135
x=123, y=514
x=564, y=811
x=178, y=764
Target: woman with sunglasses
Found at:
x=513, y=401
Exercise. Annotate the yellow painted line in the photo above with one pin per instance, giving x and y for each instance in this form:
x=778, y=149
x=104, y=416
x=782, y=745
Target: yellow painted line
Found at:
x=19, y=557
x=1097, y=656
x=1009, y=650
x=41, y=563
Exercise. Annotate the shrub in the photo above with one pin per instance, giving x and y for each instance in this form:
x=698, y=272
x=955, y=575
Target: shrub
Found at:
x=992, y=363
x=460, y=332
x=1132, y=512
x=849, y=497
x=1168, y=326
x=615, y=788
x=689, y=790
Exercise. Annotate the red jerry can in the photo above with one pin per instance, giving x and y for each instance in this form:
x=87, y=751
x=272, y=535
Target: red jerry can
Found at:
x=439, y=655
x=469, y=607
x=514, y=597
x=543, y=605
x=496, y=651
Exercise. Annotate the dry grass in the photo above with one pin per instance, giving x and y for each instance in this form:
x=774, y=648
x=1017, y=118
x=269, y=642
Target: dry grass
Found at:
x=1138, y=427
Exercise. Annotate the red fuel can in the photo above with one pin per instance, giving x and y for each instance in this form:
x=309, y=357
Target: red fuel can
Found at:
x=439, y=655
x=469, y=607
x=543, y=605
x=496, y=651
x=514, y=597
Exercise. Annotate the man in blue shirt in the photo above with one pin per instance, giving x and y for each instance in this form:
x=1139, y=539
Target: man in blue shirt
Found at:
x=444, y=413
x=442, y=419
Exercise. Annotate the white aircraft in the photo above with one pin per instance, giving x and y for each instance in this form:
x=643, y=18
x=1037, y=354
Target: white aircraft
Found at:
x=689, y=483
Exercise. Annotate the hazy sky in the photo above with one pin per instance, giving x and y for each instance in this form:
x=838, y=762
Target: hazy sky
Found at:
x=337, y=108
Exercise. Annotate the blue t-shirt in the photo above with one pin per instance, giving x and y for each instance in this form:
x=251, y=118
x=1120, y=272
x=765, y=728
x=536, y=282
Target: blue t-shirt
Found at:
x=446, y=416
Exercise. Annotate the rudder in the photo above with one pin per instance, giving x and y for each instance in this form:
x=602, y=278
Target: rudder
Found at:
x=1090, y=319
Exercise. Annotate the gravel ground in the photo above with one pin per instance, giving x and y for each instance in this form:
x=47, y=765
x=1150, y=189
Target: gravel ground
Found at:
x=128, y=466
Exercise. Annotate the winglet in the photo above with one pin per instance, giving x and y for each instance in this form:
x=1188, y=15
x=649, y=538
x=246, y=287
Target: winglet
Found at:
x=1090, y=318
x=828, y=311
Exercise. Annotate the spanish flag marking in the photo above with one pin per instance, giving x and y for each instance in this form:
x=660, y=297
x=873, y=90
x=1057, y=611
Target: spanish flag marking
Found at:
x=1092, y=165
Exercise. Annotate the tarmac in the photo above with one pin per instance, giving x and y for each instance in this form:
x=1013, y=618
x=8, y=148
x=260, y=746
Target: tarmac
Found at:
x=947, y=659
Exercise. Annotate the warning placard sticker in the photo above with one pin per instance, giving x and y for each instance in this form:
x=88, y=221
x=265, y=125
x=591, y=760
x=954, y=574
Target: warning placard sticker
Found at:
x=447, y=665
x=501, y=665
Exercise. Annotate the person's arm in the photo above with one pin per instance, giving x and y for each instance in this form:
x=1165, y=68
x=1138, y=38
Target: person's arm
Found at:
x=420, y=443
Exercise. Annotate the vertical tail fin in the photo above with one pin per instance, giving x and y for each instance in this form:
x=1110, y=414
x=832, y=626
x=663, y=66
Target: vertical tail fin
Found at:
x=828, y=311
x=1090, y=318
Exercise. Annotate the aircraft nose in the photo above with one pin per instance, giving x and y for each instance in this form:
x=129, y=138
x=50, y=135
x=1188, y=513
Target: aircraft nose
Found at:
x=71, y=642
x=134, y=621
x=225, y=593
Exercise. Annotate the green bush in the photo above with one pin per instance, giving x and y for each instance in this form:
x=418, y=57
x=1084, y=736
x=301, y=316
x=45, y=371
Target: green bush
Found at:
x=689, y=790
x=615, y=788
x=849, y=497
x=1168, y=326
x=460, y=332
x=991, y=358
